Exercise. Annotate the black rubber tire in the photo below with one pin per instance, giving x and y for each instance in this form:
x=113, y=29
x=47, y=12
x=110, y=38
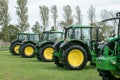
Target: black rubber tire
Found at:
x=22, y=50
x=106, y=75
x=57, y=61
x=65, y=58
x=12, y=51
x=41, y=53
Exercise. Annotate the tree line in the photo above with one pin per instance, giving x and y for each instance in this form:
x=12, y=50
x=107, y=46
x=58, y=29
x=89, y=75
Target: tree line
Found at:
x=8, y=30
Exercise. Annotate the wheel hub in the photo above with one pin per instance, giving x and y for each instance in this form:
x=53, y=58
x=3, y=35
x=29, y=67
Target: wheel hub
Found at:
x=75, y=57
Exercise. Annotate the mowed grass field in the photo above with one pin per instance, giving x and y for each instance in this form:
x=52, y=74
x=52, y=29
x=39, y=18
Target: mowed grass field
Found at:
x=17, y=68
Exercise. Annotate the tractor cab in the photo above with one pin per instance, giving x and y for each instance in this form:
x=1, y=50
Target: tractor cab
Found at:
x=22, y=36
x=108, y=62
x=79, y=33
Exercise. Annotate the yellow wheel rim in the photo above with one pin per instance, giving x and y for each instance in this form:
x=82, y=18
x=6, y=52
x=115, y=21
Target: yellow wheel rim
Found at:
x=16, y=49
x=113, y=73
x=75, y=57
x=29, y=50
x=48, y=53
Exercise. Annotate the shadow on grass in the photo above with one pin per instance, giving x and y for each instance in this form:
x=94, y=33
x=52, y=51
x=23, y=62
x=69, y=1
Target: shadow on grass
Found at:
x=54, y=67
x=89, y=67
x=65, y=69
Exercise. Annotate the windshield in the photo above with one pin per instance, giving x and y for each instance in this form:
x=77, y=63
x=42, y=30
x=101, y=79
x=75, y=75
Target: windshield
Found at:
x=52, y=36
x=119, y=32
x=86, y=34
x=79, y=33
x=44, y=36
x=55, y=36
x=69, y=34
x=34, y=37
x=22, y=36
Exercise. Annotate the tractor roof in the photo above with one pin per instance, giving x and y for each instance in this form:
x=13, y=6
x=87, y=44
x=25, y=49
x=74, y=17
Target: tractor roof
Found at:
x=51, y=31
x=79, y=26
x=28, y=33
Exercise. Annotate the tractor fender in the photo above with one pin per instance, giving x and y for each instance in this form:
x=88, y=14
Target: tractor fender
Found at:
x=65, y=44
x=28, y=42
x=57, y=45
x=15, y=42
x=44, y=43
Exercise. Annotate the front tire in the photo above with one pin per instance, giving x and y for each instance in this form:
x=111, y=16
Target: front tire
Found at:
x=28, y=50
x=75, y=57
x=14, y=48
x=46, y=53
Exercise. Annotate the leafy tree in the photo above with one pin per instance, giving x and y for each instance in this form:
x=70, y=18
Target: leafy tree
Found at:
x=78, y=15
x=54, y=16
x=104, y=14
x=91, y=17
x=44, y=16
x=108, y=28
x=67, y=16
x=91, y=14
x=36, y=28
x=4, y=20
x=22, y=10
x=12, y=31
x=0, y=35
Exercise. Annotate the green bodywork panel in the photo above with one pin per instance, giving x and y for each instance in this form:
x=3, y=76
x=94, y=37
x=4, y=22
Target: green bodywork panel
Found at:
x=58, y=54
x=106, y=63
x=94, y=56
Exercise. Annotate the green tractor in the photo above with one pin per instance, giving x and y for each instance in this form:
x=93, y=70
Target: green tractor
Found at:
x=108, y=61
x=77, y=48
x=27, y=48
x=15, y=45
x=45, y=49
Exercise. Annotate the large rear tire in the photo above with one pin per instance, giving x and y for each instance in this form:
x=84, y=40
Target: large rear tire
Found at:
x=75, y=57
x=107, y=75
x=14, y=48
x=46, y=53
x=27, y=50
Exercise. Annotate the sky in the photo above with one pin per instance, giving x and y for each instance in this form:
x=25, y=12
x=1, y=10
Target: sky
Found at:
x=33, y=8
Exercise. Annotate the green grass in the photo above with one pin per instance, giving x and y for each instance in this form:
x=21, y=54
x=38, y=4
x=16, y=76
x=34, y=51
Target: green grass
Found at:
x=17, y=68
x=4, y=48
